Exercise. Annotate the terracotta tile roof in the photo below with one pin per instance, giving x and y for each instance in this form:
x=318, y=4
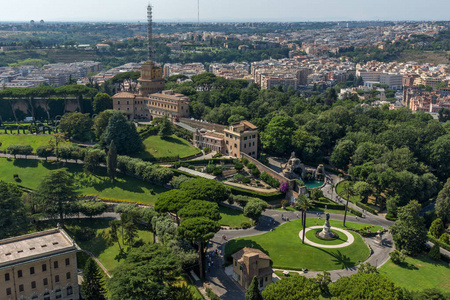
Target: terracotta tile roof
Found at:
x=238, y=255
x=123, y=95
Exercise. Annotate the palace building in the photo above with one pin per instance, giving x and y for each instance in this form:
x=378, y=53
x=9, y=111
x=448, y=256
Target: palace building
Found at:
x=41, y=265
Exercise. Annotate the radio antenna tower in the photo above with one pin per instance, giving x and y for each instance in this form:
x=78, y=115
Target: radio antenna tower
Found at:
x=198, y=12
x=150, y=48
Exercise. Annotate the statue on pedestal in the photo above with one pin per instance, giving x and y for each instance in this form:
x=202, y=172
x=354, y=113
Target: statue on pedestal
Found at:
x=326, y=232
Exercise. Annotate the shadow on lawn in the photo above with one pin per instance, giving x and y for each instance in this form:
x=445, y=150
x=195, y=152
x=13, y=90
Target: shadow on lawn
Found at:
x=234, y=246
x=171, y=139
x=406, y=265
x=339, y=259
x=25, y=163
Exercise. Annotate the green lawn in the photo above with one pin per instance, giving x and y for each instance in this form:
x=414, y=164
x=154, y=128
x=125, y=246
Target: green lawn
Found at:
x=232, y=217
x=311, y=235
x=24, y=139
x=157, y=147
x=124, y=188
x=419, y=273
x=340, y=191
x=284, y=247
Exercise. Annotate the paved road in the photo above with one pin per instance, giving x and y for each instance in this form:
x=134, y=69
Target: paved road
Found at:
x=225, y=288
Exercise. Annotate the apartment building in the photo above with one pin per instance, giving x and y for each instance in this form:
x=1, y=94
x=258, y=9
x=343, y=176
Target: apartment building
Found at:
x=41, y=265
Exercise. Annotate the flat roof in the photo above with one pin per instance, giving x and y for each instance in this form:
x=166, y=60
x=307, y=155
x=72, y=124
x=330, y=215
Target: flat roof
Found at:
x=34, y=245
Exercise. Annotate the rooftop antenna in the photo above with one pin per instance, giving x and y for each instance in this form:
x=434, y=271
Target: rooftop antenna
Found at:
x=150, y=48
x=198, y=12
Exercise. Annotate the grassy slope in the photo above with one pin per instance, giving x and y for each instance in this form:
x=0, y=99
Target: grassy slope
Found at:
x=127, y=188
x=284, y=246
x=419, y=273
x=232, y=217
x=24, y=139
x=156, y=147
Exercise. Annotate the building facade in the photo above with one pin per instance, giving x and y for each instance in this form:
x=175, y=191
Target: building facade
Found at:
x=240, y=137
x=40, y=265
x=248, y=263
x=151, y=101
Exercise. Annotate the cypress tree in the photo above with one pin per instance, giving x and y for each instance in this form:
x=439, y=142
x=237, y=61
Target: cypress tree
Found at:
x=253, y=291
x=111, y=161
x=92, y=287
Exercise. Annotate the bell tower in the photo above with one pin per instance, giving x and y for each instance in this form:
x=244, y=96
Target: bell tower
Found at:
x=151, y=80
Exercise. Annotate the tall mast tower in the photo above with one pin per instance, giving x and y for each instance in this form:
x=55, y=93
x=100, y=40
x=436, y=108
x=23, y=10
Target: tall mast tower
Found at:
x=198, y=12
x=150, y=47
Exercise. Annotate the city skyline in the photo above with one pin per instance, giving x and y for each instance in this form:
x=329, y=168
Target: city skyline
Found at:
x=221, y=11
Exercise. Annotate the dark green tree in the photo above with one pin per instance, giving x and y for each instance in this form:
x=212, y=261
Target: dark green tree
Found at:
x=92, y=160
x=342, y=153
x=102, y=102
x=277, y=136
x=206, y=189
x=253, y=291
x=92, y=208
x=111, y=161
x=148, y=272
x=76, y=126
x=101, y=122
x=199, y=230
x=437, y=228
x=172, y=201
x=292, y=288
x=58, y=191
x=165, y=128
x=124, y=134
x=409, y=232
x=254, y=209
x=92, y=286
x=13, y=217
x=362, y=285
x=200, y=208
x=443, y=203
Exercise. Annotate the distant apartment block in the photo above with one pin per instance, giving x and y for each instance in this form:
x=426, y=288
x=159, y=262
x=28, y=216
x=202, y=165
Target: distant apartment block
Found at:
x=40, y=265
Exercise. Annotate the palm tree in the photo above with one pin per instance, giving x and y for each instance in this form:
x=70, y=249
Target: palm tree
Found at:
x=303, y=203
x=347, y=188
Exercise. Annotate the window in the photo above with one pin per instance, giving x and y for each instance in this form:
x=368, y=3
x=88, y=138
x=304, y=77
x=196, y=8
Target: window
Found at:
x=68, y=275
x=8, y=291
x=57, y=278
x=44, y=267
x=47, y=296
x=69, y=290
x=128, y=102
x=33, y=284
x=118, y=102
x=19, y=273
x=21, y=288
x=45, y=281
x=58, y=294
x=67, y=261
x=253, y=143
x=239, y=277
x=55, y=264
x=245, y=138
x=254, y=136
x=6, y=276
x=235, y=145
x=245, y=146
x=261, y=282
x=34, y=297
x=235, y=262
x=31, y=270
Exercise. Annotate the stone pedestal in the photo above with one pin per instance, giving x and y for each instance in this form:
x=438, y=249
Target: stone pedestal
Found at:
x=326, y=231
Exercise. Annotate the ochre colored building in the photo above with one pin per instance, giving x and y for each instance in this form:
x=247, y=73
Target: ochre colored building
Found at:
x=248, y=263
x=41, y=265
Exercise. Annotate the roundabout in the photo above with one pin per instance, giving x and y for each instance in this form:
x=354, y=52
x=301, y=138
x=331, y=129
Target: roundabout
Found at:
x=348, y=242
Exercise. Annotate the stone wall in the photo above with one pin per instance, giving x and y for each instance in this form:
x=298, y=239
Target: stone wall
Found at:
x=263, y=168
x=200, y=125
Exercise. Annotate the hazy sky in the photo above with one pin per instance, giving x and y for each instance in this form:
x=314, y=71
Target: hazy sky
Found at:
x=224, y=10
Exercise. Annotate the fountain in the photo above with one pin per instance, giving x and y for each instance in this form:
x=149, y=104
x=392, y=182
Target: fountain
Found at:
x=326, y=232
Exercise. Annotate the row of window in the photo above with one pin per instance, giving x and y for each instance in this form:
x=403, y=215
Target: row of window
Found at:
x=32, y=270
x=58, y=293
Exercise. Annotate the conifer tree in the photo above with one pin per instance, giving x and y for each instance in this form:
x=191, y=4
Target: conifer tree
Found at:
x=111, y=161
x=253, y=291
x=92, y=287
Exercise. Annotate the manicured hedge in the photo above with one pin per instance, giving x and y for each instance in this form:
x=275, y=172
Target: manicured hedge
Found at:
x=273, y=197
x=336, y=206
x=270, y=180
x=212, y=160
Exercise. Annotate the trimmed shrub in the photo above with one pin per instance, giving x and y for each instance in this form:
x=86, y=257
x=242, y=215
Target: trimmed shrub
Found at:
x=270, y=180
x=255, y=172
x=246, y=180
x=244, y=161
x=397, y=257
x=435, y=252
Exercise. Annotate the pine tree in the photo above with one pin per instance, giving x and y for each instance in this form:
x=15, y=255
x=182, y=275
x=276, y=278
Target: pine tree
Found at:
x=253, y=291
x=111, y=161
x=92, y=287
